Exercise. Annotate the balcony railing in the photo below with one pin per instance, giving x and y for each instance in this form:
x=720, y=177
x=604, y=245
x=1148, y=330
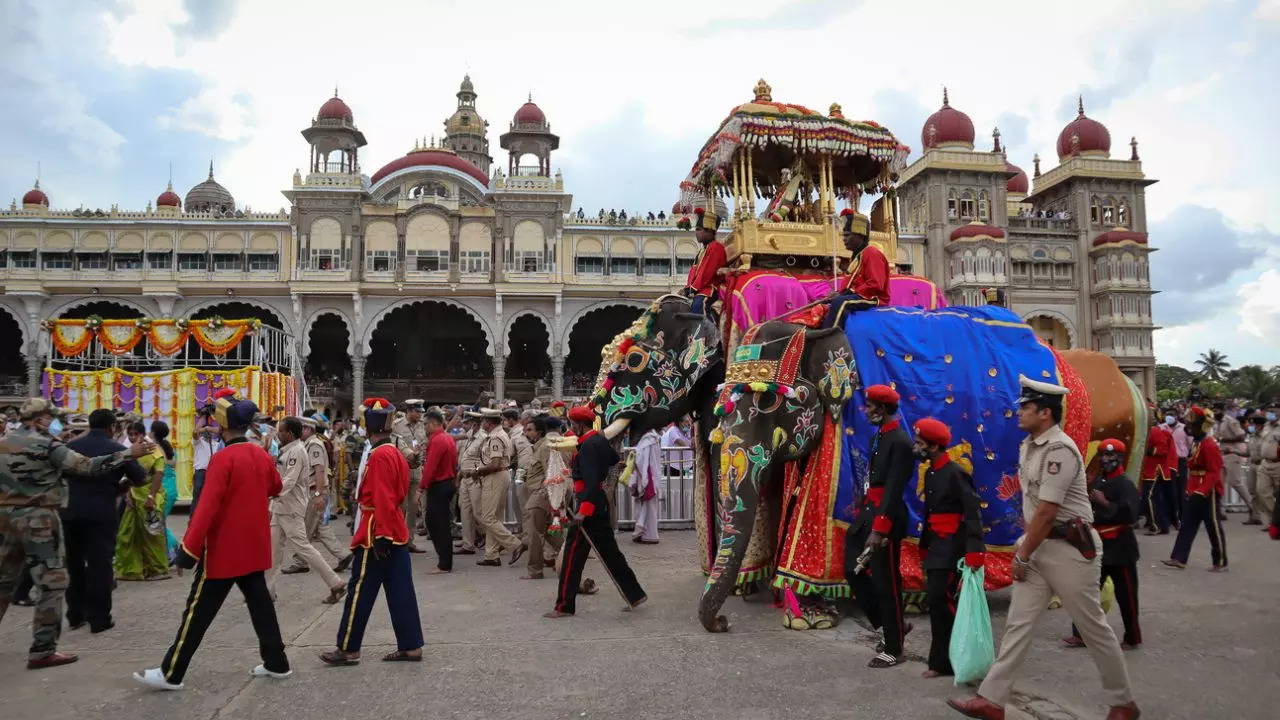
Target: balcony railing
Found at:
x=1035, y=223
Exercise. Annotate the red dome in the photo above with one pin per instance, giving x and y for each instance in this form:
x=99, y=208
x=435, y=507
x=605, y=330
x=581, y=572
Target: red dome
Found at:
x=975, y=231
x=1115, y=237
x=335, y=109
x=1018, y=184
x=429, y=158
x=169, y=198
x=35, y=196
x=947, y=126
x=680, y=208
x=1083, y=135
x=529, y=114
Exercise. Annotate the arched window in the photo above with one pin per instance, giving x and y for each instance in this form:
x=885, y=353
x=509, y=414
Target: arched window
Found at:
x=1095, y=210
x=1000, y=264
x=1109, y=211
x=953, y=209
x=326, y=245
x=1122, y=213
x=968, y=206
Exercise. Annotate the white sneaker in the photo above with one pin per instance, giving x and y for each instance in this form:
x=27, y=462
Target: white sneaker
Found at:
x=262, y=671
x=154, y=679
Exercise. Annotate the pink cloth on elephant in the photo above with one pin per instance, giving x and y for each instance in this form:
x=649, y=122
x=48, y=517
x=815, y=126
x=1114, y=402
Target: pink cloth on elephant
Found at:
x=761, y=295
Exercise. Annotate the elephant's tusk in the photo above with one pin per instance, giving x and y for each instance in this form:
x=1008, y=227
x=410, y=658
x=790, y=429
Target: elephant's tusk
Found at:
x=615, y=428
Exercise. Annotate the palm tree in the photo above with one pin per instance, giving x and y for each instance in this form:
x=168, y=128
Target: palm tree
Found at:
x=1254, y=383
x=1213, y=365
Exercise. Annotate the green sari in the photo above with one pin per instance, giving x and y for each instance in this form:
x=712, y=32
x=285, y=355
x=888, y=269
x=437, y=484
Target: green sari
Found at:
x=140, y=554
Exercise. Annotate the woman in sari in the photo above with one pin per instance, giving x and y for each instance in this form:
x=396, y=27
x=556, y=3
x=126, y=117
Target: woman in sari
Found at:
x=160, y=433
x=141, y=546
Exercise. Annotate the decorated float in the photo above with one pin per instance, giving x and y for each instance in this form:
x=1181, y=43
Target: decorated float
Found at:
x=782, y=443
x=168, y=369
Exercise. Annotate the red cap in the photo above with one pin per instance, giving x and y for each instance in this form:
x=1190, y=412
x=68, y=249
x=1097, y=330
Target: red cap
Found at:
x=1111, y=445
x=883, y=394
x=224, y=392
x=557, y=403
x=699, y=211
x=933, y=431
x=846, y=211
x=582, y=414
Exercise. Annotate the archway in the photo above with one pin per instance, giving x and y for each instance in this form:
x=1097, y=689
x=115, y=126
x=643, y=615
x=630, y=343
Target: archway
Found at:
x=328, y=367
x=428, y=340
x=1051, y=330
x=13, y=367
x=107, y=310
x=528, y=347
x=592, y=331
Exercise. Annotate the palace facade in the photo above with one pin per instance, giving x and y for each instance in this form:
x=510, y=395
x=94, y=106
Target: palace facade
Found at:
x=442, y=274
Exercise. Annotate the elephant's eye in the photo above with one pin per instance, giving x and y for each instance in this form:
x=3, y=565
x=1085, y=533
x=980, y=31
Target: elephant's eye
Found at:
x=768, y=401
x=636, y=360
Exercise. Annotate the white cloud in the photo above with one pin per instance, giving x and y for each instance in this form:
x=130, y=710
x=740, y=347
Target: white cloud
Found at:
x=1267, y=10
x=215, y=112
x=1241, y=48
x=1192, y=90
x=1260, y=308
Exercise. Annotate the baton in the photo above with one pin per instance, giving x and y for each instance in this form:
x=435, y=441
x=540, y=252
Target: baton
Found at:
x=864, y=560
x=607, y=571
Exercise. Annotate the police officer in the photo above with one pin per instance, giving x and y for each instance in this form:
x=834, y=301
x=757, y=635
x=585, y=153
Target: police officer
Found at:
x=1057, y=555
x=410, y=437
x=32, y=490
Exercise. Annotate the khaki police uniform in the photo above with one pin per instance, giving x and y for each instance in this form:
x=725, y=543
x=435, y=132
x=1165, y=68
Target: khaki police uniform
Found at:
x=494, y=487
x=288, y=517
x=1268, y=469
x=521, y=458
x=411, y=440
x=1235, y=457
x=537, y=509
x=469, y=489
x=319, y=531
x=1051, y=469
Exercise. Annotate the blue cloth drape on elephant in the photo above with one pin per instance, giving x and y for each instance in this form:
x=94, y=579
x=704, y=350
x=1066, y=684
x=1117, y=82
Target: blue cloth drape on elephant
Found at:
x=960, y=365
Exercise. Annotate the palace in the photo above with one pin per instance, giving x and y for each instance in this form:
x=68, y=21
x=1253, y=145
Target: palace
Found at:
x=441, y=275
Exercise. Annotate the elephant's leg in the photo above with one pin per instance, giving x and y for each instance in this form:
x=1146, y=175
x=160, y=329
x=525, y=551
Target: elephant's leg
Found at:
x=738, y=513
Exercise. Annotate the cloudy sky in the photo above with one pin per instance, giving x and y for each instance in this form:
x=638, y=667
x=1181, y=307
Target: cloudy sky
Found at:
x=107, y=96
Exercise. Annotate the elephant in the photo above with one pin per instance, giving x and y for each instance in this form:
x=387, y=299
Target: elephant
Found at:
x=796, y=382
x=790, y=420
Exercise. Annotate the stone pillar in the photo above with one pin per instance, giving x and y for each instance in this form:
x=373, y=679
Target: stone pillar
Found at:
x=33, y=374
x=500, y=377
x=357, y=384
x=557, y=378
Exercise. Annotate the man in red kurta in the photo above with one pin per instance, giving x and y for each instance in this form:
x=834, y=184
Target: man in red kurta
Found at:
x=1204, y=492
x=228, y=543
x=380, y=546
x=868, y=283
x=703, y=285
x=1157, y=476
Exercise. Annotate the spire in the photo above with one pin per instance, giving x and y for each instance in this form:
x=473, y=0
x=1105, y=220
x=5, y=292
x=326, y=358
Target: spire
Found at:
x=335, y=90
x=210, y=168
x=1133, y=145
x=530, y=97
x=1080, y=106
x=1036, y=160
x=946, y=102
x=995, y=136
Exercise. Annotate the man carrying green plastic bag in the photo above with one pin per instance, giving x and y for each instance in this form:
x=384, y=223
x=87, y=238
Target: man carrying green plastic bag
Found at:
x=972, y=647
x=951, y=538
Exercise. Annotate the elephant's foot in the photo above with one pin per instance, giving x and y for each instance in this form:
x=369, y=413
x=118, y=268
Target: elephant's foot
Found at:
x=812, y=618
x=719, y=625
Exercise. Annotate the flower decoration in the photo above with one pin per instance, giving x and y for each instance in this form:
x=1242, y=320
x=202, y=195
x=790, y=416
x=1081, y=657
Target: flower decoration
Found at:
x=216, y=322
x=684, y=223
x=183, y=324
x=143, y=323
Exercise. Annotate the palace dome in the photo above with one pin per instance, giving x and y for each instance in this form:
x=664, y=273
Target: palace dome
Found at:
x=35, y=196
x=529, y=114
x=1084, y=136
x=431, y=157
x=335, y=109
x=209, y=196
x=169, y=198
x=1018, y=184
x=1118, y=236
x=947, y=127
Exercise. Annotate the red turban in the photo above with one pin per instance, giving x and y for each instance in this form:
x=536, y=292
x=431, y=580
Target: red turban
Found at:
x=933, y=431
x=224, y=392
x=582, y=414
x=1111, y=445
x=557, y=404
x=883, y=394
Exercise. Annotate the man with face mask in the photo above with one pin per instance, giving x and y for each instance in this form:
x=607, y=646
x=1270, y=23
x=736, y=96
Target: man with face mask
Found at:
x=951, y=530
x=1204, y=492
x=1182, y=447
x=1235, y=453
x=879, y=526
x=1115, y=509
x=33, y=488
x=868, y=282
x=1269, y=462
x=1157, y=477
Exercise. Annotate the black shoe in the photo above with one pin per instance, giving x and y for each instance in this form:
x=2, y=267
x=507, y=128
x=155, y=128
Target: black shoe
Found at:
x=295, y=569
x=344, y=563
x=103, y=628
x=74, y=625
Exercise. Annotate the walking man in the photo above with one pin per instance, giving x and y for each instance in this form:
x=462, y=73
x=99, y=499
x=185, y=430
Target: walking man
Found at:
x=439, y=466
x=316, y=484
x=494, y=478
x=951, y=532
x=32, y=490
x=229, y=544
x=89, y=524
x=469, y=500
x=289, y=511
x=1204, y=493
x=1231, y=439
x=879, y=526
x=1057, y=555
x=1269, y=462
x=537, y=508
x=410, y=437
x=380, y=544
x=591, y=528
x=1158, y=467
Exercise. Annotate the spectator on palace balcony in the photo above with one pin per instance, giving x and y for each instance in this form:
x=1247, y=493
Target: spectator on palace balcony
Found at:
x=662, y=214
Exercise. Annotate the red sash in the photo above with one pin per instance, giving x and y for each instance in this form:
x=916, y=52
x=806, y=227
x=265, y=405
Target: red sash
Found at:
x=875, y=495
x=1108, y=532
x=944, y=524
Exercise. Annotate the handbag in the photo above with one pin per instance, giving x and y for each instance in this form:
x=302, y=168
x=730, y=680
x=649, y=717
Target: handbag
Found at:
x=972, y=648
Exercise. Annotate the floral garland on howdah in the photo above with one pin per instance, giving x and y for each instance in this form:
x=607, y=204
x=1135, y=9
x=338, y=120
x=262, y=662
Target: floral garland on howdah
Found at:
x=167, y=337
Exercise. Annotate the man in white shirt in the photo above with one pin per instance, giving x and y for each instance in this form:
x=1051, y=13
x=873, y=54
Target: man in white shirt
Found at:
x=206, y=440
x=677, y=436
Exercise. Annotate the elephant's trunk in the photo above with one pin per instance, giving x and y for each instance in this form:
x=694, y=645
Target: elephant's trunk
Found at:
x=735, y=534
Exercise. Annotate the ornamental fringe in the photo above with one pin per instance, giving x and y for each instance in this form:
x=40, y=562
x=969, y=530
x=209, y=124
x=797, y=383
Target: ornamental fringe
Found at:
x=167, y=337
x=736, y=391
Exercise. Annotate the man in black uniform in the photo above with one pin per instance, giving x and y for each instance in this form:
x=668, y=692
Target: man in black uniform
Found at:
x=591, y=527
x=1115, y=509
x=879, y=526
x=952, y=529
x=89, y=523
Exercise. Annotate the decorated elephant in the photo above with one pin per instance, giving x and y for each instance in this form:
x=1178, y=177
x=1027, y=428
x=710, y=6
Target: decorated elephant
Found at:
x=792, y=428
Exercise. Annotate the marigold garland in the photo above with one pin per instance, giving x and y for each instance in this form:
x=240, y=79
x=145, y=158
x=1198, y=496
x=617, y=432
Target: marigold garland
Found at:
x=166, y=337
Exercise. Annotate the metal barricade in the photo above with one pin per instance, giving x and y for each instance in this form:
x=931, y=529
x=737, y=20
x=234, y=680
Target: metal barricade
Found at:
x=677, y=495
x=1232, y=502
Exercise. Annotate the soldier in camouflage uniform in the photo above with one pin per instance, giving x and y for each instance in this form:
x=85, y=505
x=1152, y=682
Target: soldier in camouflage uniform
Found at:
x=32, y=490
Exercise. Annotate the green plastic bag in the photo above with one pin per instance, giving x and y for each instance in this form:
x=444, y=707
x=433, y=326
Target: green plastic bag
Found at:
x=972, y=648
x=1108, y=595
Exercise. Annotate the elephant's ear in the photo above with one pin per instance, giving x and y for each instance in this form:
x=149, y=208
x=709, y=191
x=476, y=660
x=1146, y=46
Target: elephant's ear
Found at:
x=829, y=366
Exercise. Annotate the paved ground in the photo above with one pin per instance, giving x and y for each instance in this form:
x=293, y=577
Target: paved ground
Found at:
x=1212, y=650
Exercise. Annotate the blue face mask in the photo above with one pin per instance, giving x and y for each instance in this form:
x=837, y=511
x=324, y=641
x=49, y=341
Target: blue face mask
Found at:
x=264, y=428
x=1169, y=419
x=1252, y=429
x=55, y=427
x=1271, y=417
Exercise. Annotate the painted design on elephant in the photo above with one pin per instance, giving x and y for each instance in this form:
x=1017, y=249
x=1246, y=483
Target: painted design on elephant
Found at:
x=695, y=353
x=779, y=437
x=961, y=455
x=806, y=429
x=836, y=383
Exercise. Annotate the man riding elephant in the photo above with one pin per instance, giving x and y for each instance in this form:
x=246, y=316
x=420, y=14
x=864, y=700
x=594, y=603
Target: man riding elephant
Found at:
x=868, y=282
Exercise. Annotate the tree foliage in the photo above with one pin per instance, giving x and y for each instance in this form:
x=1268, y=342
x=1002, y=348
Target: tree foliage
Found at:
x=1213, y=365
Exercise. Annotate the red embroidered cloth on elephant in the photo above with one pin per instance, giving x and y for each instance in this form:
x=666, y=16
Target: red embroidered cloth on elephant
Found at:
x=810, y=550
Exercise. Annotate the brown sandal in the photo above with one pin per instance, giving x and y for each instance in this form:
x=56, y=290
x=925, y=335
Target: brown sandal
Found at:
x=337, y=658
x=402, y=656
